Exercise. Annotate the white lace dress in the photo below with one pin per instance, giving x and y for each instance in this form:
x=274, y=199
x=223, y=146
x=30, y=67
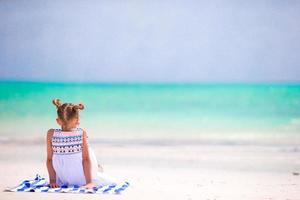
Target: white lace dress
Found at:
x=67, y=160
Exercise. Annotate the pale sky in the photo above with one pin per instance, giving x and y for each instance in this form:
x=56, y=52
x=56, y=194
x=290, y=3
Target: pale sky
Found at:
x=151, y=41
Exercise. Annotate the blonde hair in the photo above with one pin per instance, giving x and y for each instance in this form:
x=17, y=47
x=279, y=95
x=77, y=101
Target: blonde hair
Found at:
x=67, y=111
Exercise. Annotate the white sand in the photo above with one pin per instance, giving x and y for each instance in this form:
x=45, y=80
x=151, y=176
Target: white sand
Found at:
x=172, y=172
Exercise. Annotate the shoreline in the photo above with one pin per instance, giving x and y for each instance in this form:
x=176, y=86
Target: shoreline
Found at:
x=268, y=141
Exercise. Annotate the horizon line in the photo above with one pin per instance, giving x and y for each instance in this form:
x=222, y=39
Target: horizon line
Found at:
x=114, y=82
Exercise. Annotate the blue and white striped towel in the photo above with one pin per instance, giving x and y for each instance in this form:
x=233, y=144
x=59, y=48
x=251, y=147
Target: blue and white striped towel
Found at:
x=39, y=184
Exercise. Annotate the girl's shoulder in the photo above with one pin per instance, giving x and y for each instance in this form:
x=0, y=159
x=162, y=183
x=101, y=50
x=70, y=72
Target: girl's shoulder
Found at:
x=84, y=133
x=50, y=131
x=83, y=130
x=80, y=130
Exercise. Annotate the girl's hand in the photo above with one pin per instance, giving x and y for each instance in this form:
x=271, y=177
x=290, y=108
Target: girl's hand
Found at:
x=89, y=185
x=53, y=185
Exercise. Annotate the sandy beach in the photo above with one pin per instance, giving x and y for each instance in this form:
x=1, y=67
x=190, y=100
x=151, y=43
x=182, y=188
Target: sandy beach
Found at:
x=171, y=171
x=185, y=100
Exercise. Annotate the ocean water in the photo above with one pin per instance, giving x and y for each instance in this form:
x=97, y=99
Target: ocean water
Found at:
x=268, y=113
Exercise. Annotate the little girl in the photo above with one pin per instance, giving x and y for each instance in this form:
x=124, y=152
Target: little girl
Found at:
x=70, y=160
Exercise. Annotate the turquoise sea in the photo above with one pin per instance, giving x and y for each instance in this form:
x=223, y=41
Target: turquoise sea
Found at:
x=212, y=113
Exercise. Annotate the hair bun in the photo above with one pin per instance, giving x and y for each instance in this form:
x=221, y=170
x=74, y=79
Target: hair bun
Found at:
x=56, y=102
x=79, y=106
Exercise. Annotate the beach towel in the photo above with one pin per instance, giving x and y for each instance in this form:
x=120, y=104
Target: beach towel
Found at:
x=39, y=184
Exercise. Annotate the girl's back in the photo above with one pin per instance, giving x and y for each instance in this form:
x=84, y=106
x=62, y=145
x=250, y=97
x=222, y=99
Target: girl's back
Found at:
x=67, y=156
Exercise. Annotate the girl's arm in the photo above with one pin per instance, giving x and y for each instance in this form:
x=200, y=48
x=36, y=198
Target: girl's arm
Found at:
x=86, y=162
x=51, y=171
